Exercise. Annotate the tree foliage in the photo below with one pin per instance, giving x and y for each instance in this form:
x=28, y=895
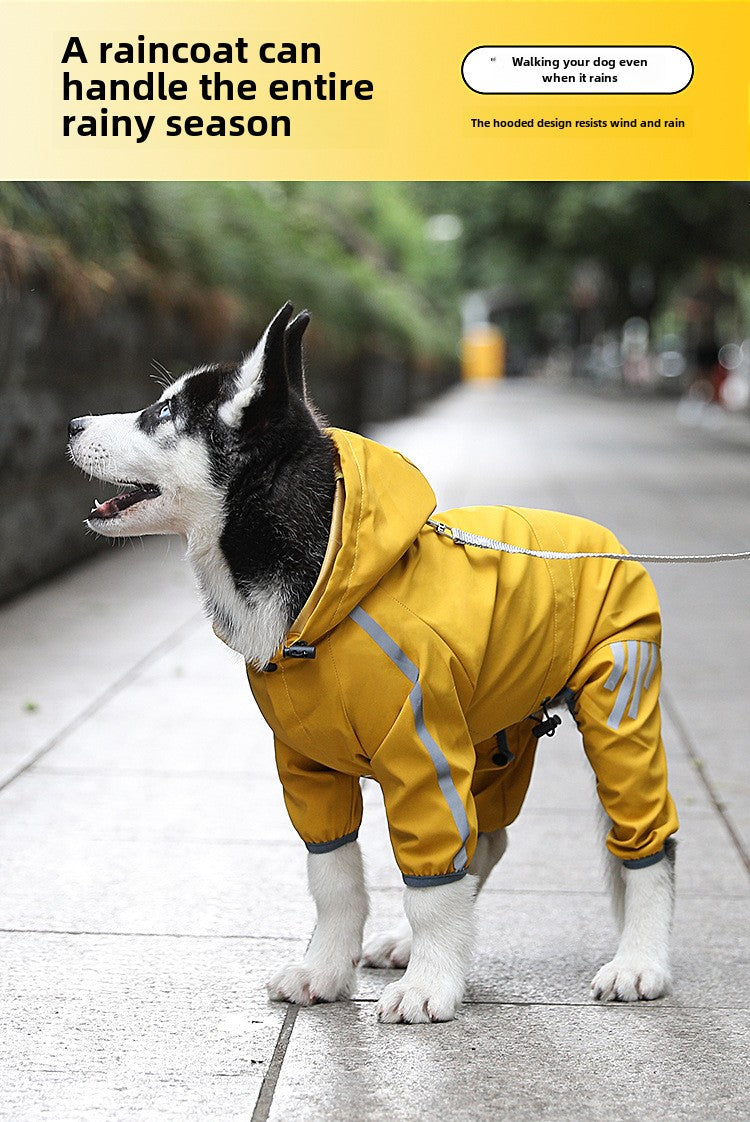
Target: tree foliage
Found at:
x=355, y=253
x=534, y=235
x=359, y=254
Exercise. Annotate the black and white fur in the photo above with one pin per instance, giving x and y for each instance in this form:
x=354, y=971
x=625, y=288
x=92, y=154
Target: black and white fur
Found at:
x=242, y=470
x=234, y=459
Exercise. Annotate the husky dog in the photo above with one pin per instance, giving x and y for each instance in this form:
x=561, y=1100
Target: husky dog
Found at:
x=317, y=561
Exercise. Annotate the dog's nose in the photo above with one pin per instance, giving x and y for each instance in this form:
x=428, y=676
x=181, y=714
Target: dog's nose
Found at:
x=78, y=424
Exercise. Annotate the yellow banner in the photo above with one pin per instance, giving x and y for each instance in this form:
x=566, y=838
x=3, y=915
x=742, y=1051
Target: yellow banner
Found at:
x=598, y=89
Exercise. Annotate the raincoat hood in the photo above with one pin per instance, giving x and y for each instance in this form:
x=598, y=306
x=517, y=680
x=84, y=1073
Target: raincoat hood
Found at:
x=386, y=502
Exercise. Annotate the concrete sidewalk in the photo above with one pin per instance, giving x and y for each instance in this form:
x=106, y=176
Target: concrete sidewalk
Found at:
x=151, y=882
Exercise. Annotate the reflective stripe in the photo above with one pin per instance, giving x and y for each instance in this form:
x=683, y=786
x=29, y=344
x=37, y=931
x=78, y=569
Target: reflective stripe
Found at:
x=442, y=769
x=623, y=694
x=384, y=641
x=618, y=658
x=642, y=659
x=654, y=664
x=647, y=653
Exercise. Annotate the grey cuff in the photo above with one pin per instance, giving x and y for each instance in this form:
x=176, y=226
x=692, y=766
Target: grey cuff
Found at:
x=426, y=882
x=644, y=862
x=328, y=847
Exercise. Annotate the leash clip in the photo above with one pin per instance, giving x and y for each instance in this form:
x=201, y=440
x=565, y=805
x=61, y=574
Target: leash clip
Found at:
x=445, y=531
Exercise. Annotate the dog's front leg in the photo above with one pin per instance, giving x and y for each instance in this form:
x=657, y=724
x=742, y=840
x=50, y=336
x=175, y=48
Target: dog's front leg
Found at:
x=640, y=969
x=442, y=923
x=337, y=885
x=393, y=948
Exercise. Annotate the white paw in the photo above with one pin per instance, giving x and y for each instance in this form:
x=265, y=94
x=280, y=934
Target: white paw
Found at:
x=388, y=951
x=630, y=979
x=307, y=985
x=417, y=1003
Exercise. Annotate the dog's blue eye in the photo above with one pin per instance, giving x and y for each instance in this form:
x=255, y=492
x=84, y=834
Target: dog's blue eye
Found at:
x=165, y=412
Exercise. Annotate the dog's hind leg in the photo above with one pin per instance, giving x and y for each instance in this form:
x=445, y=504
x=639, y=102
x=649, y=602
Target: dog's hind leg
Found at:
x=337, y=885
x=616, y=708
x=640, y=969
x=612, y=870
x=392, y=949
x=490, y=848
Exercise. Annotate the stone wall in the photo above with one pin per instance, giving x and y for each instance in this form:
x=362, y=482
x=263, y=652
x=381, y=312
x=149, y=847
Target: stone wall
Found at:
x=76, y=340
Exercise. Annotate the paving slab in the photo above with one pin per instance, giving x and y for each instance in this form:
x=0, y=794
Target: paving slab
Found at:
x=135, y=1027
x=518, y=1063
x=544, y=948
x=168, y=887
x=214, y=806
x=67, y=642
x=216, y=727
x=151, y=880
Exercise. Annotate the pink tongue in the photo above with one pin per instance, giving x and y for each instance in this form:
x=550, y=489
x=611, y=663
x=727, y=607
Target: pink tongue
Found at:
x=106, y=510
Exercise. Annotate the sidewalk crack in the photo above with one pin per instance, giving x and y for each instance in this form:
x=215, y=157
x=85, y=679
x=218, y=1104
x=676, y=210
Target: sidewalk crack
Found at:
x=271, y=1078
x=676, y=718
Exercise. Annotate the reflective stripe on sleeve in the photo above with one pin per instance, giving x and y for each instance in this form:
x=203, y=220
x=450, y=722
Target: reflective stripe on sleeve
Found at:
x=442, y=768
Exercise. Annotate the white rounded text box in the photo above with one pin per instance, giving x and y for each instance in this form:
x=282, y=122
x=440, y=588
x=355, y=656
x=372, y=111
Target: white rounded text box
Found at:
x=580, y=70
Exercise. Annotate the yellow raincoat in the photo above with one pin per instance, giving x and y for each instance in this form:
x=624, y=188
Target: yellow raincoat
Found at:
x=431, y=658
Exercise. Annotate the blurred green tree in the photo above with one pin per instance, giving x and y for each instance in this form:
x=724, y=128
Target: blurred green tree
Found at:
x=356, y=253
x=533, y=235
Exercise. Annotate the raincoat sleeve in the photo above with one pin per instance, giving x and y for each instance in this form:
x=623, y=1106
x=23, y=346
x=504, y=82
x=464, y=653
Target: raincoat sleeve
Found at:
x=424, y=767
x=325, y=806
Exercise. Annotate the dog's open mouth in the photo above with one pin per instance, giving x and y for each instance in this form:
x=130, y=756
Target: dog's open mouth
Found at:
x=136, y=493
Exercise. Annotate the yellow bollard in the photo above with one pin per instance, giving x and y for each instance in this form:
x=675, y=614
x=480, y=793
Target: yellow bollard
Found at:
x=483, y=353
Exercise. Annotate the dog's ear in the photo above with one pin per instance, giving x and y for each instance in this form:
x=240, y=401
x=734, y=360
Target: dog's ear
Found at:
x=262, y=388
x=295, y=367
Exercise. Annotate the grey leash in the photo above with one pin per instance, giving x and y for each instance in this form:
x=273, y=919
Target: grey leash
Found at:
x=463, y=537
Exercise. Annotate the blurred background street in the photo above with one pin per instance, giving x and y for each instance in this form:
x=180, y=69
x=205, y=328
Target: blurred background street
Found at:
x=642, y=289
x=573, y=346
